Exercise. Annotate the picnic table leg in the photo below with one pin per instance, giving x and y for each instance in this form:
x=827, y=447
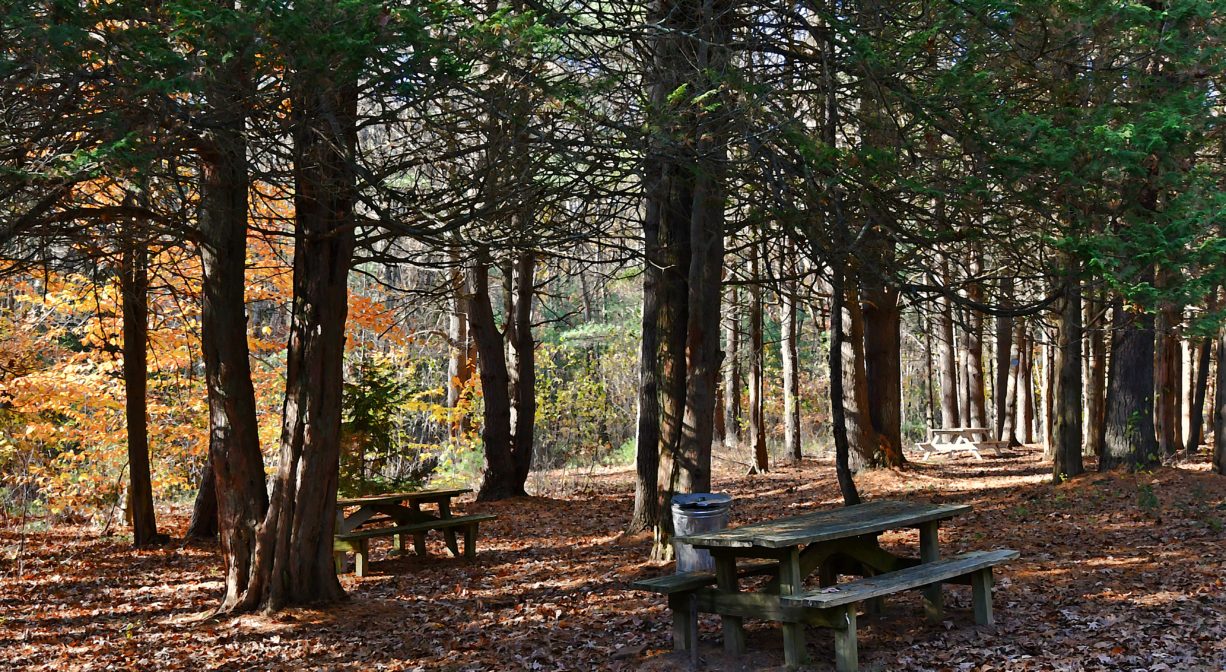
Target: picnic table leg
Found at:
x=981, y=593
x=846, y=648
x=444, y=511
x=930, y=552
x=791, y=582
x=725, y=580
x=419, y=538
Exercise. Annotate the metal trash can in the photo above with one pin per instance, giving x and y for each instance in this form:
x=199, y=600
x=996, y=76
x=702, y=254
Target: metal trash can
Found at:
x=694, y=513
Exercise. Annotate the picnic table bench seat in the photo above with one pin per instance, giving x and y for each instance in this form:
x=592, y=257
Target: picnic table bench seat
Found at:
x=357, y=541
x=844, y=597
x=680, y=589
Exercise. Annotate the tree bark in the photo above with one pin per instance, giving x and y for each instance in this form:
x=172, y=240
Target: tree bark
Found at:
x=1130, y=438
x=863, y=440
x=947, y=361
x=460, y=355
x=134, y=290
x=757, y=422
x=522, y=367
x=203, y=525
x=1166, y=381
x=1096, y=378
x=976, y=395
x=1067, y=373
x=1025, y=386
x=1013, y=385
x=842, y=448
x=234, y=444
x=1219, y=413
x=646, y=513
x=1005, y=370
x=732, y=371
x=789, y=348
x=294, y=561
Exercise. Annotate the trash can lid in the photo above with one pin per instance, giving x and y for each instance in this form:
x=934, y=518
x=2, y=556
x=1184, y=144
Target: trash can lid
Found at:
x=702, y=500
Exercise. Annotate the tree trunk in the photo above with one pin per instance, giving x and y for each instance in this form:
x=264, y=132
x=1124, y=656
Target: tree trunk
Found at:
x=757, y=423
x=234, y=443
x=1130, y=438
x=929, y=379
x=732, y=371
x=1166, y=382
x=883, y=368
x=947, y=362
x=862, y=439
x=1096, y=378
x=501, y=473
x=134, y=288
x=1025, y=385
x=1005, y=370
x=976, y=395
x=294, y=561
x=203, y=525
x=1013, y=386
x=842, y=448
x=1067, y=373
x=1049, y=388
x=789, y=348
x=1196, y=411
x=522, y=368
x=1219, y=413
x=646, y=513
x=459, y=353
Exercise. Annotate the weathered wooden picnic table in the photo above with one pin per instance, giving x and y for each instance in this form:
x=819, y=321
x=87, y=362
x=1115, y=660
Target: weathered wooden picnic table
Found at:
x=828, y=543
x=944, y=440
x=404, y=511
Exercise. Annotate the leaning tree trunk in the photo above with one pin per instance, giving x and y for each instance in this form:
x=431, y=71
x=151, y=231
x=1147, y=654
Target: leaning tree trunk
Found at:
x=1067, y=372
x=203, y=525
x=757, y=421
x=1130, y=440
x=789, y=349
x=234, y=443
x=294, y=559
x=134, y=290
x=838, y=416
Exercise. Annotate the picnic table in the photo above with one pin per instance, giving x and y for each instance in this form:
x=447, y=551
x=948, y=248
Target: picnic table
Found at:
x=944, y=440
x=368, y=518
x=826, y=543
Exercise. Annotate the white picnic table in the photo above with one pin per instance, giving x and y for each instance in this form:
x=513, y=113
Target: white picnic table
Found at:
x=948, y=440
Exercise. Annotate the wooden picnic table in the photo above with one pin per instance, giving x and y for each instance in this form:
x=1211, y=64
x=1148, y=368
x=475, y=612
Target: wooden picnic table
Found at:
x=401, y=508
x=832, y=542
x=944, y=440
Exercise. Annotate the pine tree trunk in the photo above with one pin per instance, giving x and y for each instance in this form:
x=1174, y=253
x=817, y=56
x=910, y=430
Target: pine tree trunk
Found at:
x=790, y=354
x=1130, y=437
x=1196, y=419
x=1096, y=378
x=1009, y=428
x=522, y=384
x=1004, y=372
x=1066, y=413
x=1025, y=386
x=732, y=371
x=234, y=444
x=863, y=441
x=947, y=362
x=646, y=513
x=977, y=396
x=883, y=368
x=757, y=423
x=842, y=447
x=1166, y=382
x=459, y=352
x=294, y=560
x=500, y=480
x=134, y=288
x=1049, y=388
x=1219, y=412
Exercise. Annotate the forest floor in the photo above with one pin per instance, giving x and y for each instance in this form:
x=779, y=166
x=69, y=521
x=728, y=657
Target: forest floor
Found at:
x=1118, y=572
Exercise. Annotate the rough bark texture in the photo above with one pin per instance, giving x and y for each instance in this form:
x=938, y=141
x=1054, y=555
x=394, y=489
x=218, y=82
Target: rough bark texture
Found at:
x=134, y=288
x=1219, y=413
x=203, y=525
x=1166, y=381
x=789, y=348
x=1010, y=425
x=461, y=355
x=1095, y=378
x=863, y=441
x=883, y=368
x=522, y=367
x=646, y=513
x=294, y=562
x=1130, y=437
x=234, y=444
x=975, y=389
x=1004, y=373
x=757, y=419
x=1201, y=350
x=1067, y=393
x=1025, y=388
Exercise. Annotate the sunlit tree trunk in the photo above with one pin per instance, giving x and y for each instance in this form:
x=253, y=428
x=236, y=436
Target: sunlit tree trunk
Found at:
x=947, y=361
x=1066, y=411
x=522, y=366
x=1025, y=388
x=975, y=392
x=647, y=427
x=863, y=442
x=733, y=382
x=789, y=348
x=842, y=448
x=1009, y=428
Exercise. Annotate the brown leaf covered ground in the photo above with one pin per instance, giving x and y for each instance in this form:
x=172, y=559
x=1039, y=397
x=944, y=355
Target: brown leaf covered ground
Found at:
x=1118, y=572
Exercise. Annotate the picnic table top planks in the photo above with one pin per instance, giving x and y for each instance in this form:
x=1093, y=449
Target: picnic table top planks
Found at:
x=394, y=497
x=819, y=526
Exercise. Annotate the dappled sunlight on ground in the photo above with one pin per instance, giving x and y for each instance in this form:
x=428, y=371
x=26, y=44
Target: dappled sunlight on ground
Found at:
x=1118, y=572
